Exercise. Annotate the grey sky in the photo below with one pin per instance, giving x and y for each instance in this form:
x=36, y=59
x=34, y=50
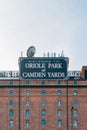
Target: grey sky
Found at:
x=49, y=25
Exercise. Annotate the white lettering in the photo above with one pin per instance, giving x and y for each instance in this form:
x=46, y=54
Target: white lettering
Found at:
x=55, y=65
x=56, y=74
x=34, y=74
x=35, y=65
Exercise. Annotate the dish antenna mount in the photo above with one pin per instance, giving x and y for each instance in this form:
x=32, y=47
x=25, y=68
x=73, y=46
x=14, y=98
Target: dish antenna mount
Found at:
x=31, y=51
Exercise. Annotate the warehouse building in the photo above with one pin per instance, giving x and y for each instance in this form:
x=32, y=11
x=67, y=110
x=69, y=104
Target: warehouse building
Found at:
x=43, y=95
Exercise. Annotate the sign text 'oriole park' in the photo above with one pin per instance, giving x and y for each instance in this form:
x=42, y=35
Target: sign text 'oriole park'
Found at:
x=43, y=68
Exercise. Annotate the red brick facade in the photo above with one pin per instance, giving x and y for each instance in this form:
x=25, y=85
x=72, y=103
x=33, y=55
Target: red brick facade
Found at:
x=49, y=119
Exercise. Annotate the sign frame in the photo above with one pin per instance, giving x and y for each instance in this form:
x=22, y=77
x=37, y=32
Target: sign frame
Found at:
x=43, y=68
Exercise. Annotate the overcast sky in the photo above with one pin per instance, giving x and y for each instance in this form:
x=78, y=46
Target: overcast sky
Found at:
x=49, y=25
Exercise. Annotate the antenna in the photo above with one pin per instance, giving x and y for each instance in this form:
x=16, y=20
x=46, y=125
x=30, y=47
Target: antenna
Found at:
x=51, y=54
x=48, y=54
x=54, y=54
x=44, y=55
x=62, y=54
x=21, y=53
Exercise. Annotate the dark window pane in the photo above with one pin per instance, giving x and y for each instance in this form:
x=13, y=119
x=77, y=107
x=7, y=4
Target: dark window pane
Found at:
x=43, y=92
x=11, y=112
x=11, y=102
x=43, y=122
x=27, y=123
x=27, y=112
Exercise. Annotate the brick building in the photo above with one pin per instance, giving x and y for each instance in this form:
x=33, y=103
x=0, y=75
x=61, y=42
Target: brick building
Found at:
x=33, y=101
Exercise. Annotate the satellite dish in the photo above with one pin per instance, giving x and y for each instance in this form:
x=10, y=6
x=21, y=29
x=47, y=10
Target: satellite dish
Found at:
x=31, y=51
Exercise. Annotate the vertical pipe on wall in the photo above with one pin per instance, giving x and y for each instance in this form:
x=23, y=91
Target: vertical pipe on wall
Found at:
x=19, y=104
x=67, y=105
x=72, y=118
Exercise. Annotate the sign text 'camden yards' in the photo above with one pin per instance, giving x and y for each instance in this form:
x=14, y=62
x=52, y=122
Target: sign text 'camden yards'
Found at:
x=43, y=68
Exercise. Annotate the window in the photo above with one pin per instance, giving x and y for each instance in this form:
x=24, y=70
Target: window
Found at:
x=75, y=82
x=59, y=92
x=11, y=103
x=59, y=122
x=11, y=112
x=43, y=92
x=75, y=112
x=27, y=103
x=11, y=92
x=27, y=123
x=27, y=112
x=85, y=74
x=75, y=123
x=59, y=112
x=27, y=82
x=42, y=82
x=11, y=123
x=59, y=82
x=11, y=82
x=27, y=92
x=59, y=102
x=75, y=92
x=43, y=122
x=43, y=103
x=75, y=102
x=43, y=112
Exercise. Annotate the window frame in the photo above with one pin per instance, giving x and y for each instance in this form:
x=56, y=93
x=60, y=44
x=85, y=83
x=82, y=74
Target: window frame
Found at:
x=43, y=92
x=27, y=112
x=11, y=102
x=27, y=123
x=11, y=112
x=75, y=112
x=59, y=123
x=59, y=112
x=43, y=103
x=59, y=92
x=43, y=122
x=75, y=122
x=59, y=103
x=27, y=92
x=27, y=102
x=75, y=92
x=11, y=123
x=11, y=92
x=75, y=102
x=43, y=112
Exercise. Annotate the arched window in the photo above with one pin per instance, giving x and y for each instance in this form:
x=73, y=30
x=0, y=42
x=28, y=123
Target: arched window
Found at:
x=43, y=112
x=11, y=102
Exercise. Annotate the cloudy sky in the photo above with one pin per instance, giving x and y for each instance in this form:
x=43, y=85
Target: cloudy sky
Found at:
x=49, y=25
